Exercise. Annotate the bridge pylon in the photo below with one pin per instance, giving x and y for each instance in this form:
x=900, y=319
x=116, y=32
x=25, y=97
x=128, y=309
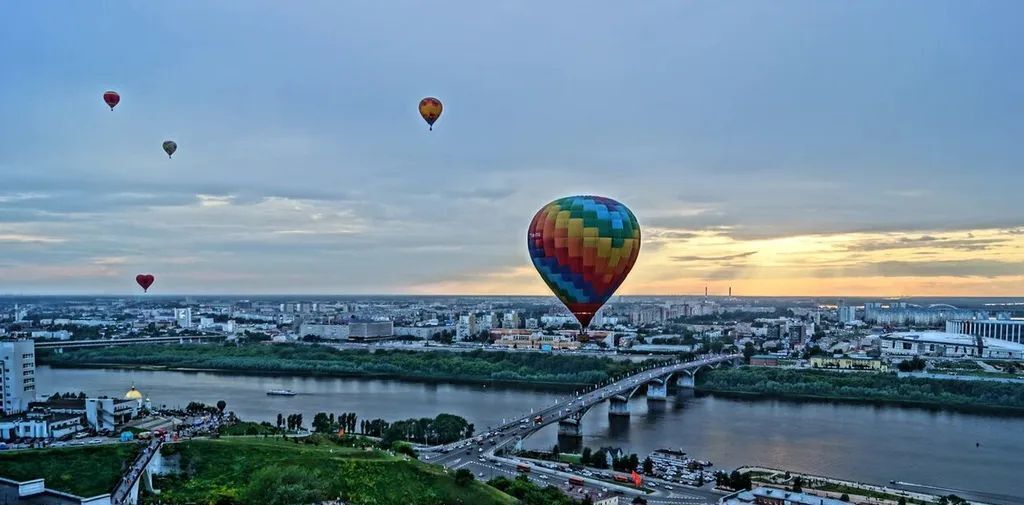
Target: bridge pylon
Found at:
x=618, y=405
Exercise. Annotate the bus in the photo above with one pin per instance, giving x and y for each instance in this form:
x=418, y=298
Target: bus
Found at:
x=538, y=419
x=575, y=481
x=620, y=477
x=522, y=467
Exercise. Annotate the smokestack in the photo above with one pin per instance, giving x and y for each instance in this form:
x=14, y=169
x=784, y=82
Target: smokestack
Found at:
x=730, y=291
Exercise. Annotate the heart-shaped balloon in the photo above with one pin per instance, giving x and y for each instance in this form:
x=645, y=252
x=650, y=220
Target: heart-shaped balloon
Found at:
x=145, y=280
x=584, y=247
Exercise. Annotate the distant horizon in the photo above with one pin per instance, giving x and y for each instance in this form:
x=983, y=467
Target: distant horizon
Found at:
x=553, y=298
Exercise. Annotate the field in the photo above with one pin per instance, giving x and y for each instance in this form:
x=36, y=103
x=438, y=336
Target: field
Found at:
x=83, y=471
x=273, y=471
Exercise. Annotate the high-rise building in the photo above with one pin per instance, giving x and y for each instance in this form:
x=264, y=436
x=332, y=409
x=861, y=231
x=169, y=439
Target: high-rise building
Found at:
x=466, y=327
x=847, y=313
x=510, y=320
x=183, y=317
x=18, y=375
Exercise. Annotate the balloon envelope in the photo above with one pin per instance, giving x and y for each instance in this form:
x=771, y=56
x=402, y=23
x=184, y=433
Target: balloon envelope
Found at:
x=169, y=147
x=145, y=280
x=111, y=98
x=584, y=247
x=430, y=109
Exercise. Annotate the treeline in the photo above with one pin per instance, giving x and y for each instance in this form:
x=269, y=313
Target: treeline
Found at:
x=322, y=360
x=443, y=429
x=886, y=387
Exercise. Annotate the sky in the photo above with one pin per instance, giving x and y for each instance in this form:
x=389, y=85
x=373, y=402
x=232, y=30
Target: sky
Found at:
x=781, y=148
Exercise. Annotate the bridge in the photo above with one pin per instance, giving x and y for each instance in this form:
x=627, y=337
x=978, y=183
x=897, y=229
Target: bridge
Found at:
x=140, y=471
x=109, y=342
x=569, y=412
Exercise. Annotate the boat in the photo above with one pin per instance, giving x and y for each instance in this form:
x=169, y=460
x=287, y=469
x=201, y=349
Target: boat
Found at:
x=281, y=392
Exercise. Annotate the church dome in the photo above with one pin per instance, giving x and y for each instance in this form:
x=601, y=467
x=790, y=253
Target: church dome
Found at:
x=133, y=394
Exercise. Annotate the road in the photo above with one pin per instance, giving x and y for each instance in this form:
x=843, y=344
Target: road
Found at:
x=122, y=492
x=478, y=455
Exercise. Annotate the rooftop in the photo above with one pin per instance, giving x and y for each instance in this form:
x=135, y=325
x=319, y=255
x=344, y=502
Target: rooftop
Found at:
x=941, y=337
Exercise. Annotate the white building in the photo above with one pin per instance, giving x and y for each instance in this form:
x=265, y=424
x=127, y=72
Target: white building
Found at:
x=847, y=313
x=55, y=335
x=775, y=496
x=183, y=317
x=531, y=323
x=39, y=425
x=510, y=320
x=950, y=345
x=466, y=327
x=18, y=375
x=1010, y=330
x=205, y=322
x=327, y=331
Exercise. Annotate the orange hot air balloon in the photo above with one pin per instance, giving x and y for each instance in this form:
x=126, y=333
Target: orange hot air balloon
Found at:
x=430, y=109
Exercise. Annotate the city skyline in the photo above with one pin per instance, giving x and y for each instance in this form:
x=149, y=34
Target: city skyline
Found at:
x=819, y=150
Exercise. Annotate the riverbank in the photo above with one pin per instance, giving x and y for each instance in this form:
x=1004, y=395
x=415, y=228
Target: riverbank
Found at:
x=865, y=387
x=475, y=367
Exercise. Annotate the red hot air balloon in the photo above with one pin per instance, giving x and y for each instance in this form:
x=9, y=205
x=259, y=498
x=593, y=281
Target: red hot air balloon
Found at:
x=112, y=99
x=145, y=280
x=584, y=247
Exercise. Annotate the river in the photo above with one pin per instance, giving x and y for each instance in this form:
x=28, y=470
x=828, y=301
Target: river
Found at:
x=849, y=441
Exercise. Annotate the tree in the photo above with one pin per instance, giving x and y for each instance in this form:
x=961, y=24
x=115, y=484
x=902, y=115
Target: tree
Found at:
x=554, y=452
x=288, y=485
x=903, y=501
x=798, y=484
x=845, y=497
x=221, y=404
x=648, y=466
x=463, y=477
x=586, y=457
x=280, y=421
x=748, y=351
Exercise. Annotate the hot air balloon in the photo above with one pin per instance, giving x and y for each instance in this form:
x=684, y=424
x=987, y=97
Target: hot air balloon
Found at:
x=145, y=280
x=112, y=99
x=169, y=147
x=584, y=247
x=430, y=109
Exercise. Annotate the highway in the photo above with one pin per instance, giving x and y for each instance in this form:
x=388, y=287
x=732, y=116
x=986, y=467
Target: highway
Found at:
x=478, y=454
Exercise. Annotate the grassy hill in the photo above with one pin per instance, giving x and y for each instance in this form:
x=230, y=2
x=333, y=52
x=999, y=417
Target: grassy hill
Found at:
x=84, y=471
x=272, y=471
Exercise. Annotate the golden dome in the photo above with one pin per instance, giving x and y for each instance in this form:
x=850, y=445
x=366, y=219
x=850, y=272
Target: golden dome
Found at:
x=133, y=394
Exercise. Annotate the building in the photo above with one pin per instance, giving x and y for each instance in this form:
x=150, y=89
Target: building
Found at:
x=847, y=313
x=39, y=424
x=55, y=335
x=466, y=327
x=531, y=323
x=106, y=414
x=904, y=314
x=1010, y=330
x=510, y=320
x=528, y=339
x=948, y=345
x=325, y=331
x=422, y=332
x=18, y=375
x=849, y=363
x=764, y=360
x=183, y=317
x=370, y=330
x=775, y=496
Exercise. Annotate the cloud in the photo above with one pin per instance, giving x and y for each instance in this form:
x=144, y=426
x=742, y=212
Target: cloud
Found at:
x=927, y=241
x=29, y=239
x=726, y=257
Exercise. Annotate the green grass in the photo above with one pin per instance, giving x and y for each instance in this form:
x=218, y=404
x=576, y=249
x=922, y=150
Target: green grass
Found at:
x=839, y=488
x=84, y=471
x=218, y=471
x=569, y=458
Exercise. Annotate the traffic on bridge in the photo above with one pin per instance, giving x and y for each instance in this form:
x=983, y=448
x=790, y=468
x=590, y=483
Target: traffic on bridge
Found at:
x=480, y=454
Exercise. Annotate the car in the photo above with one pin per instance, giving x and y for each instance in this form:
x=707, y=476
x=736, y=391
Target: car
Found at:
x=545, y=477
x=95, y=441
x=481, y=474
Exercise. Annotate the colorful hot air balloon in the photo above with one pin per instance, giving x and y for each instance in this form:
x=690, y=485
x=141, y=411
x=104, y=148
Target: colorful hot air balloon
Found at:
x=169, y=147
x=112, y=99
x=145, y=280
x=430, y=109
x=584, y=247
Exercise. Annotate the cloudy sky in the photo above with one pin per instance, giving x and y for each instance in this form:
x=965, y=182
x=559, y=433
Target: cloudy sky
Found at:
x=792, y=148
